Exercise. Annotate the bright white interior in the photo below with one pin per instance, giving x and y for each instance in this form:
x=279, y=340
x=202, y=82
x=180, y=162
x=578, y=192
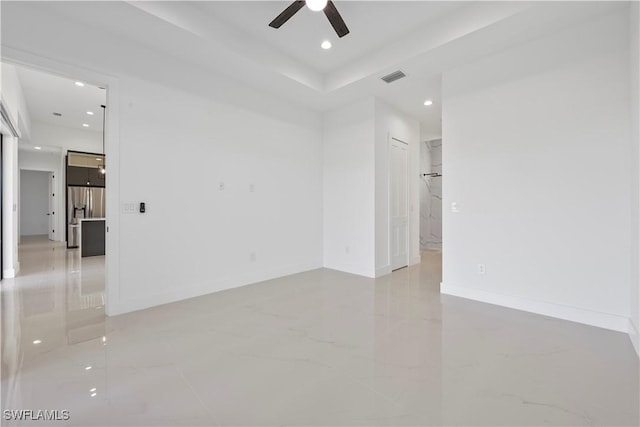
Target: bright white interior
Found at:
x=540, y=124
x=259, y=154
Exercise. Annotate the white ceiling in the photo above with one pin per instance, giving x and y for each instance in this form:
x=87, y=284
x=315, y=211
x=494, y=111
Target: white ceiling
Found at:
x=232, y=40
x=47, y=93
x=372, y=25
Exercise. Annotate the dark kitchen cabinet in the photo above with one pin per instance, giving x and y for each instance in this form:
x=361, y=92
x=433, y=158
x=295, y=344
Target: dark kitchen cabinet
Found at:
x=96, y=179
x=77, y=175
x=80, y=176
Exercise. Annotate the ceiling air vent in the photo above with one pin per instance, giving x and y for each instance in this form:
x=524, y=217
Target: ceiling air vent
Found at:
x=396, y=75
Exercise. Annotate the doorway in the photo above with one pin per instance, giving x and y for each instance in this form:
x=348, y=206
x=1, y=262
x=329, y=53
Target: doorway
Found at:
x=431, y=195
x=399, y=203
x=36, y=204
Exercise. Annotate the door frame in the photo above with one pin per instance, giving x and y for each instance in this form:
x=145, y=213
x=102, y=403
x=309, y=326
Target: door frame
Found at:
x=52, y=206
x=391, y=141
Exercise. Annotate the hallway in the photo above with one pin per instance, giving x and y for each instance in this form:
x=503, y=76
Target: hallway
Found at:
x=317, y=348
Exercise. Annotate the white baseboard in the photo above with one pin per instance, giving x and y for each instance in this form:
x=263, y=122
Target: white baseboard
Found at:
x=383, y=271
x=129, y=305
x=415, y=260
x=9, y=273
x=635, y=337
x=575, y=314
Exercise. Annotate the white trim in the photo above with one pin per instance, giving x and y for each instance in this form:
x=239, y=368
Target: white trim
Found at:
x=179, y=293
x=10, y=273
x=383, y=271
x=8, y=123
x=575, y=314
x=112, y=142
x=415, y=260
x=635, y=337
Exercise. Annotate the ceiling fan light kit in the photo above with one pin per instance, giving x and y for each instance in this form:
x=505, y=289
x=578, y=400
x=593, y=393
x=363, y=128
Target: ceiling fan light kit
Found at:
x=316, y=5
x=327, y=6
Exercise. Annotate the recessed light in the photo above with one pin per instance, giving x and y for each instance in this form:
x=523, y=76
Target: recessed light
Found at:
x=90, y=113
x=79, y=84
x=87, y=368
x=92, y=390
x=85, y=125
x=326, y=45
x=428, y=102
x=93, y=394
x=37, y=341
x=37, y=148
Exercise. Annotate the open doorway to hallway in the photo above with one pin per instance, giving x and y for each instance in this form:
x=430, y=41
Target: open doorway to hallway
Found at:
x=61, y=145
x=431, y=195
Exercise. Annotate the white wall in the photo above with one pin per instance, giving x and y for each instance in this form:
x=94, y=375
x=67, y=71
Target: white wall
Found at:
x=536, y=148
x=195, y=238
x=171, y=141
x=390, y=123
x=48, y=162
x=634, y=73
x=13, y=96
x=34, y=203
x=349, y=189
x=430, y=131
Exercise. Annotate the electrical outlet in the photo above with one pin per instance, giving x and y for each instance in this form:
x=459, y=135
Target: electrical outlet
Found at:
x=482, y=269
x=252, y=257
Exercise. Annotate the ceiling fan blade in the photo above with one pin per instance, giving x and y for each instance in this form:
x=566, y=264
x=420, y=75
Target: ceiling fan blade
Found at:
x=335, y=19
x=287, y=14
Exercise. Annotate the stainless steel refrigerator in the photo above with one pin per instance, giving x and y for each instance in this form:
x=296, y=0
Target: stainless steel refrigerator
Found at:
x=82, y=202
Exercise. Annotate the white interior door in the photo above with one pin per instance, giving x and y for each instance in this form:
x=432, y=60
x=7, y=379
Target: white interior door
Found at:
x=399, y=206
x=52, y=207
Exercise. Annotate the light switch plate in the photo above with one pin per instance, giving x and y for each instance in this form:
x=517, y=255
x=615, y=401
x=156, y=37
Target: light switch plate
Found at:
x=129, y=207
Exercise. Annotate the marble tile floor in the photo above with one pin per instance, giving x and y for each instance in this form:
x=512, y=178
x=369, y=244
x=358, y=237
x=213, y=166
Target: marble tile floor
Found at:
x=317, y=348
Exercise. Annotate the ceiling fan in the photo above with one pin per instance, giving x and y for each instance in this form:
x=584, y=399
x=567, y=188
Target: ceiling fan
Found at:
x=316, y=5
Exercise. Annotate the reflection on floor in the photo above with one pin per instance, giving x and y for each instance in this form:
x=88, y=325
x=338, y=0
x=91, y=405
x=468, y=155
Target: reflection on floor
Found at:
x=317, y=348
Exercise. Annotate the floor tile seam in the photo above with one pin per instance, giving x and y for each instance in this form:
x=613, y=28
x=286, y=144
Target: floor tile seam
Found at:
x=214, y=417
